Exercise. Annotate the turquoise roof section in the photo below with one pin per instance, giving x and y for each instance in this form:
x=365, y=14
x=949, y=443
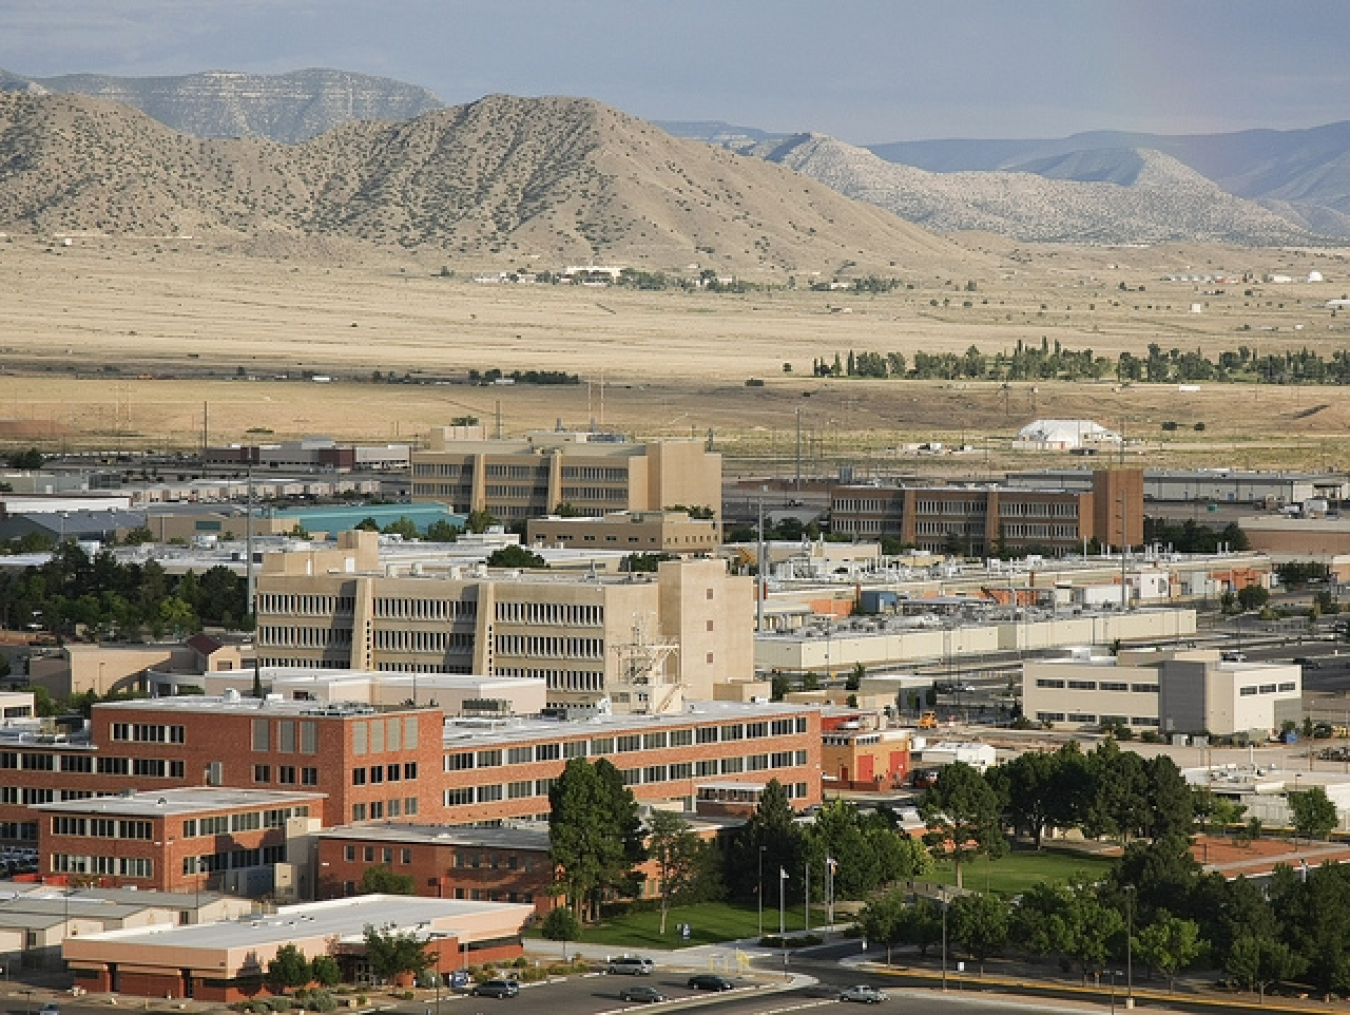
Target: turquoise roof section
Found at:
x=340, y=519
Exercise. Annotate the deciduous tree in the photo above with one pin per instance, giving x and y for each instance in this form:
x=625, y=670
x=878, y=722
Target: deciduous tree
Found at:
x=961, y=812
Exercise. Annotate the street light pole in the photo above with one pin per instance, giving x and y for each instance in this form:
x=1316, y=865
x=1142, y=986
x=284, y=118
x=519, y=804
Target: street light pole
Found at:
x=1129, y=946
x=759, y=891
x=943, y=896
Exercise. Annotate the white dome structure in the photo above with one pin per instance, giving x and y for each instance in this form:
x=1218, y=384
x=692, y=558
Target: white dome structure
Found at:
x=1064, y=435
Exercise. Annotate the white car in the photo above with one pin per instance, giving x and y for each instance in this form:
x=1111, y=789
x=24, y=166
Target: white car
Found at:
x=863, y=994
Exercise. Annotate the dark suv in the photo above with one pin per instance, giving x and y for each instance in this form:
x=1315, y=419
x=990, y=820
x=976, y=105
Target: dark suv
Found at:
x=709, y=981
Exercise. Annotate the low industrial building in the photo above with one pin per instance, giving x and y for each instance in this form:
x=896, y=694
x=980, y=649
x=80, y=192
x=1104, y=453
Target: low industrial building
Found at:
x=76, y=668
x=1221, y=486
x=227, y=962
x=631, y=531
x=970, y=631
x=1189, y=691
x=36, y=918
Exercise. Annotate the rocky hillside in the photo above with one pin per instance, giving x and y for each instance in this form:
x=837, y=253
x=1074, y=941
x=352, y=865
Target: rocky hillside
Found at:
x=281, y=107
x=1094, y=197
x=505, y=181
x=1302, y=175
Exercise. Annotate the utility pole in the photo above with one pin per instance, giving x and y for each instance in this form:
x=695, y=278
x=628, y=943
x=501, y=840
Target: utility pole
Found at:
x=759, y=573
x=798, y=484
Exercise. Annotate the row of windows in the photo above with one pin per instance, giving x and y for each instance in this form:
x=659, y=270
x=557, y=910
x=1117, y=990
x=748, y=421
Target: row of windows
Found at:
x=608, y=494
x=542, y=647
x=234, y=859
x=1252, y=689
x=1056, y=684
x=148, y=733
x=870, y=505
x=503, y=492
x=386, y=854
x=527, y=788
x=439, y=642
x=283, y=738
x=595, y=473
x=305, y=605
x=1038, y=509
x=286, y=775
x=380, y=735
x=560, y=614
x=952, y=507
x=101, y=828
x=534, y=472
x=245, y=821
x=114, y=866
x=27, y=796
x=293, y=636
x=378, y=810
x=406, y=608
x=385, y=666
x=442, y=490
x=556, y=680
x=1087, y=717
x=1017, y=530
x=442, y=469
x=382, y=773
x=944, y=528
x=655, y=740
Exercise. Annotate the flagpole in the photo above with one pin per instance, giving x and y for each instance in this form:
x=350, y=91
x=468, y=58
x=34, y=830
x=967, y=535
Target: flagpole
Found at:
x=807, y=905
x=782, y=926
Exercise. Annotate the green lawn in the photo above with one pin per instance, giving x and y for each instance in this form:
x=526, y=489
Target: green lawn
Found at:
x=709, y=923
x=1015, y=872
x=714, y=922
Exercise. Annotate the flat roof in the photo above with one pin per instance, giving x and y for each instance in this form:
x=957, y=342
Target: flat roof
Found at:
x=228, y=702
x=340, y=919
x=504, y=837
x=485, y=732
x=185, y=800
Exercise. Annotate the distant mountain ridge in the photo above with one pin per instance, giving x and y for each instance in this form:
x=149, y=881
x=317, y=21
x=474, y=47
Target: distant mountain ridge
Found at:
x=1301, y=175
x=504, y=180
x=1097, y=197
x=288, y=108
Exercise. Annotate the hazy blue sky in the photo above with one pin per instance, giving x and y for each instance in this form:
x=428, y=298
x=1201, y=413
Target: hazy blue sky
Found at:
x=866, y=71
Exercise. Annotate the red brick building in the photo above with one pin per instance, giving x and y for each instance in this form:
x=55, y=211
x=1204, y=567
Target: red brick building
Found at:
x=403, y=765
x=174, y=840
x=163, y=743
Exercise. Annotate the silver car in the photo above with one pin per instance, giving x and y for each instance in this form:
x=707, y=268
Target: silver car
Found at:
x=863, y=994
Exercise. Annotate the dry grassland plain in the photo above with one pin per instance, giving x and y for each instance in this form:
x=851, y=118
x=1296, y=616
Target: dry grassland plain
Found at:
x=120, y=343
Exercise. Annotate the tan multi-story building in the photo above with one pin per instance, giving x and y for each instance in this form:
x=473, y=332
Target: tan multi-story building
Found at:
x=645, y=641
x=979, y=520
x=518, y=479
x=632, y=531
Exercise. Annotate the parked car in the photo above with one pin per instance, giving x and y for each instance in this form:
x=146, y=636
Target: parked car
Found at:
x=863, y=994
x=709, y=981
x=631, y=965
x=496, y=988
x=646, y=995
x=51, y=1008
x=1307, y=662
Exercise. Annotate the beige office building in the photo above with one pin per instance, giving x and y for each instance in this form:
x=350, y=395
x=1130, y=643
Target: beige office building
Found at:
x=644, y=641
x=530, y=478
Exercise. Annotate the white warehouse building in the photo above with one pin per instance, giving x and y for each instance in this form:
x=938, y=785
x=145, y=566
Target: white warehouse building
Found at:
x=1186, y=691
